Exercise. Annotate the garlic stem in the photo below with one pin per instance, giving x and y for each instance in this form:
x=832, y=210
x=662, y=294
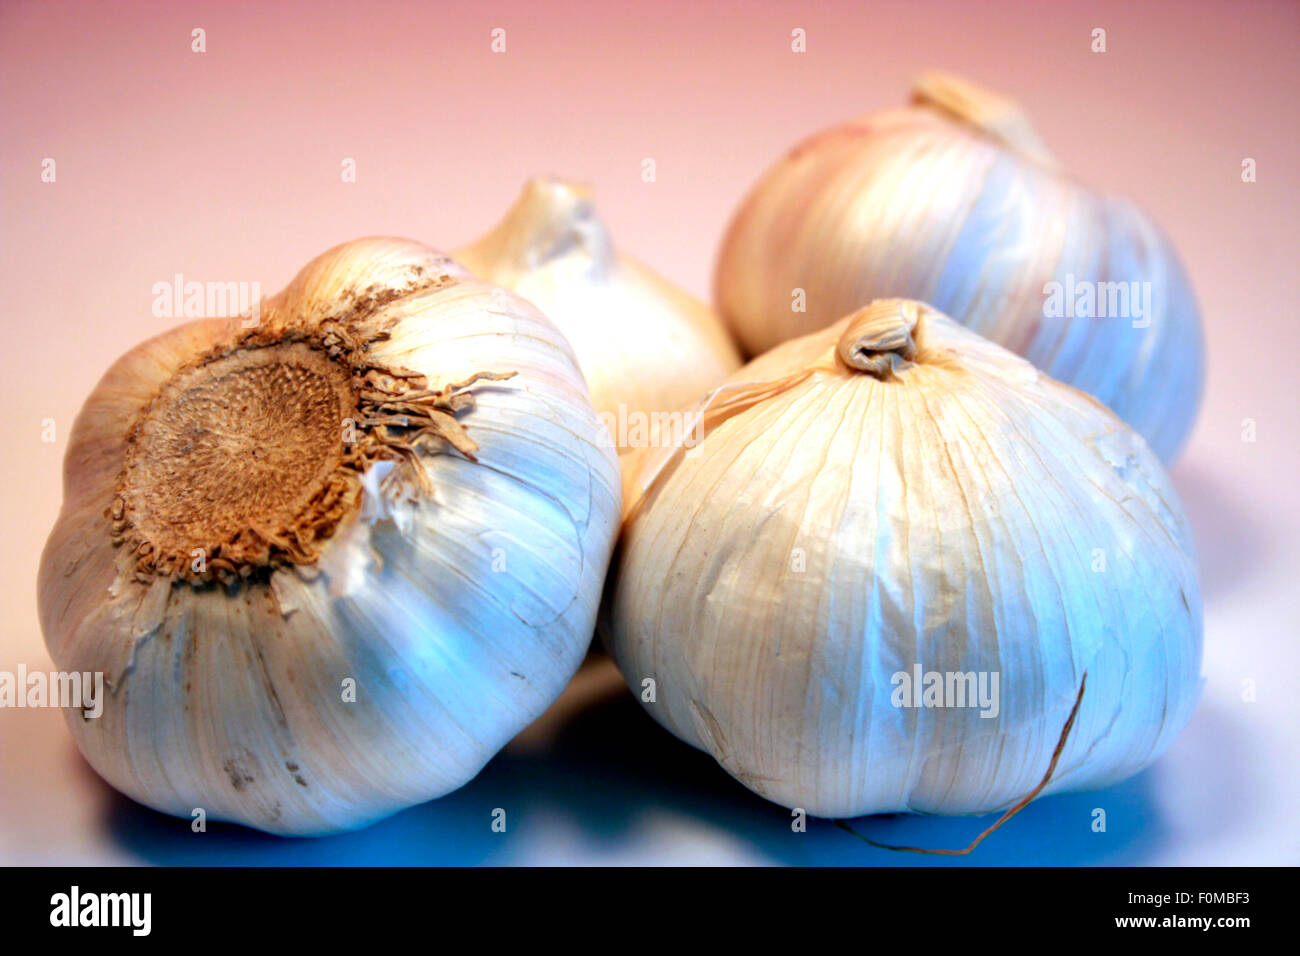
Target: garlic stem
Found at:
x=551, y=219
x=645, y=347
x=878, y=339
x=982, y=109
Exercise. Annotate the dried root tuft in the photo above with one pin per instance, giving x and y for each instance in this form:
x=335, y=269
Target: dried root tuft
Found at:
x=252, y=456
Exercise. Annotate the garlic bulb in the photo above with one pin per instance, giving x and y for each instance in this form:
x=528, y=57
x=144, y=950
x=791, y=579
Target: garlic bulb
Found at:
x=645, y=346
x=875, y=577
x=956, y=202
x=330, y=564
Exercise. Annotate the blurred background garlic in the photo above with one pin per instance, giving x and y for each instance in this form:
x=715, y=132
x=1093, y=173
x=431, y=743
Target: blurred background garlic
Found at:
x=645, y=346
x=886, y=499
x=331, y=563
x=955, y=201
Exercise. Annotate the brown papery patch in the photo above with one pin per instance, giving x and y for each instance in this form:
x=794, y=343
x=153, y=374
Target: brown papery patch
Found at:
x=251, y=457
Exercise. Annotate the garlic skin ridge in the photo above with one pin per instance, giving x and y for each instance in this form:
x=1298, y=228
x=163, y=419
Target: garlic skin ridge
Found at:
x=955, y=201
x=457, y=596
x=645, y=346
x=851, y=513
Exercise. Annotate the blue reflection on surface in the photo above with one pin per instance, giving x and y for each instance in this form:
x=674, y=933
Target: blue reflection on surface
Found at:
x=610, y=786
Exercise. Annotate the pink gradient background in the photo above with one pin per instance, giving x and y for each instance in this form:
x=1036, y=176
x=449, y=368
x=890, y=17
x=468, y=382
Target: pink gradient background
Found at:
x=226, y=166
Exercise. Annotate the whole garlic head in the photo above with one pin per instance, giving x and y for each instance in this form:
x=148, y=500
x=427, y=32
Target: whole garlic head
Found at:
x=891, y=498
x=955, y=201
x=645, y=346
x=332, y=563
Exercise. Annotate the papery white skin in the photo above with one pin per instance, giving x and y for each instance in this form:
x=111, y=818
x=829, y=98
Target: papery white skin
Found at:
x=954, y=201
x=644, y=345
x=233, y=703
x=952, y=518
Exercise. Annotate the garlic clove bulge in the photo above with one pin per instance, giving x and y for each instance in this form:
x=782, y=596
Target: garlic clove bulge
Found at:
x=330, y=564
x=645, y=346
x=891, y=498
x=955, y=201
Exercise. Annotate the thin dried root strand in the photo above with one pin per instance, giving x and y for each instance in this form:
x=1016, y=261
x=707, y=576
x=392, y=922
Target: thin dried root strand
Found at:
x=1016, y=808
x=414, y=467
x=481, y=377
x=458, y=437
